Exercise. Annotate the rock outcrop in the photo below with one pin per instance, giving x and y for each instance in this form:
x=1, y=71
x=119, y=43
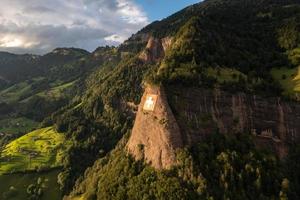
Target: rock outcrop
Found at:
x=198, y=112
x=276, y=123
x=155, y=135
x=155, y=49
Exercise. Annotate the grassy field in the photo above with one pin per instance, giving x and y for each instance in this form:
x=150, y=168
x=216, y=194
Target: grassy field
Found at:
x=23, y=91
x=16, y=125
x=41, y=149
x=224, y=74
x=289, y=80
x=14, y=186
x=15, y=92
x=56, y=92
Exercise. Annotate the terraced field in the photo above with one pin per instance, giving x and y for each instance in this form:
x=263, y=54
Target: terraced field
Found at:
x=41, y=149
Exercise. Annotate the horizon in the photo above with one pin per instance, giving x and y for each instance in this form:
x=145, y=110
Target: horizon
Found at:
x=39, y=27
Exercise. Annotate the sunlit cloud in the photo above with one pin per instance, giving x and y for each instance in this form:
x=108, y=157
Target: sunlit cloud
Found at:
x=114, y=38
x=38, y=26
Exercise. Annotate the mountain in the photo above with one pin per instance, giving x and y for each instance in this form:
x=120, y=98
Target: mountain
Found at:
x=33, y=86
x=201, y=105
x=216, y=67
x=22, y=67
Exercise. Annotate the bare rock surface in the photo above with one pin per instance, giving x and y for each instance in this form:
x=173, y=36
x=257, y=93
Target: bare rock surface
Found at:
x=155, y=135
x=187, y=115
x=274, y=122
x=155, y=49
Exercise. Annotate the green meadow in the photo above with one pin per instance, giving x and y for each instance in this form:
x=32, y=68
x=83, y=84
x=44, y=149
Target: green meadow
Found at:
x=57, y=91
x=15, y=92
x=16, y=125
x=25, y=90
x=40, y=149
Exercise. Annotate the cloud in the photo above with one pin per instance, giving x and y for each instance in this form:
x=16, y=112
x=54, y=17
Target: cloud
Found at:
x=38, y=26
x=114, y=38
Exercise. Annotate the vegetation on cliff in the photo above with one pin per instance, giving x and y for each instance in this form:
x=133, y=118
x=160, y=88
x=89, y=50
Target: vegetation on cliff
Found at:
x=253, y=40
x=220, y=167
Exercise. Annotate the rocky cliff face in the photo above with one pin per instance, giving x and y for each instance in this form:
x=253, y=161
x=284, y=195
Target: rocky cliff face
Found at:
x=197, y=112
x=155, y=49
x=275, y=122
x=155, y=135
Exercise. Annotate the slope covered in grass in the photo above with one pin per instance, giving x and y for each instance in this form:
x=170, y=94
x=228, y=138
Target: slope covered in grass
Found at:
x=15, y=92
x=16, y=125
x=57, y=91
x=40, y=149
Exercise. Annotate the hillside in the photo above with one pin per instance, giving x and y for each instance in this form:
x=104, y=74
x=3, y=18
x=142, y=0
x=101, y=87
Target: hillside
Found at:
x=201, y=105
x=43, y=85
x=43, y=148
x=211, y=60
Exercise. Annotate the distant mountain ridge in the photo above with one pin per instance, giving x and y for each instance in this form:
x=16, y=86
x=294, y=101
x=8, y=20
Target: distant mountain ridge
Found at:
x=15, y=67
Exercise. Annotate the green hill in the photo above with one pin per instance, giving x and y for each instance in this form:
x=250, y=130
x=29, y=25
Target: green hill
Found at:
x=46, y=84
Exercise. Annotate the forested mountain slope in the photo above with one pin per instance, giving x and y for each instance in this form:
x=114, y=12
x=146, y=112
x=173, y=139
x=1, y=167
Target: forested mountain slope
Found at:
x=36, y=86
x=233, y=50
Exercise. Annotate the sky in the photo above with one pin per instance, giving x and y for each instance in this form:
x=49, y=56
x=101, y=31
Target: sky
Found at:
x=39, y=26
x=159, y=9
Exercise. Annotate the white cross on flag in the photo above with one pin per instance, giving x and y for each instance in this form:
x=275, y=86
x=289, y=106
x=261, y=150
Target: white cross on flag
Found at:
x=150, y=102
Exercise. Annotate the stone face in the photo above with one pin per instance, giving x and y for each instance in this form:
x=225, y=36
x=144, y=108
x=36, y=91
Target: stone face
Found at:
x=275, y=122
x=187, y=115
x=166, y=43
x=155, y=135
x=155, y=49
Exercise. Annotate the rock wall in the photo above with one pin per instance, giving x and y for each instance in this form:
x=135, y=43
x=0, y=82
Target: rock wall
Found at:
x=155, y=135
x=155, y=49
x=187, y=115
x=276, y=123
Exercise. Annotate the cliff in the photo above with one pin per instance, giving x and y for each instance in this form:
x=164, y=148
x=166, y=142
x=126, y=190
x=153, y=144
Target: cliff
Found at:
x=274, y=122
x=155, y=135
x=155, y=49
x=187, y=115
